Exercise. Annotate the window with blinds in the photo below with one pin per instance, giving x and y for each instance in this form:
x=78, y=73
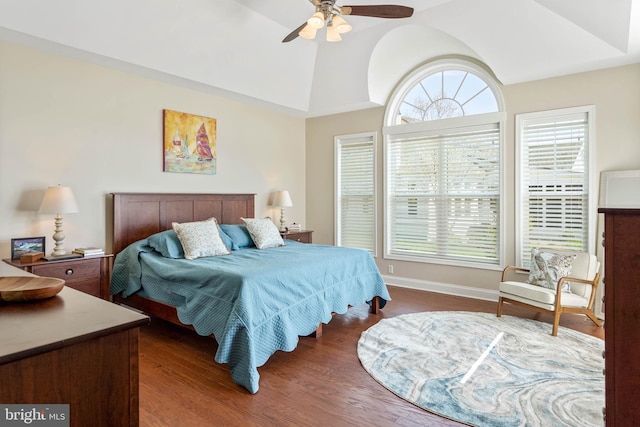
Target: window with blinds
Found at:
x=443, y=194
x=355, y=161
x=553, y=197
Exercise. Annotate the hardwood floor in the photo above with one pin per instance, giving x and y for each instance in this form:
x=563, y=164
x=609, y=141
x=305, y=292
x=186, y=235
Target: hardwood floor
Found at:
x=320, y=383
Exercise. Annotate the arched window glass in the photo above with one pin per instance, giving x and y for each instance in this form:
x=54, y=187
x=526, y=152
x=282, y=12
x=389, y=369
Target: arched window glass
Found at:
x=443, y=92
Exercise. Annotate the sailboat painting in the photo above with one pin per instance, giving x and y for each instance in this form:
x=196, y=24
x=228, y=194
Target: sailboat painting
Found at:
x=189, y=143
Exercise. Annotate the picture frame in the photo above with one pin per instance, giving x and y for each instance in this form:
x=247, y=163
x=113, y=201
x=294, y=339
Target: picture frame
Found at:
x=25, y=245
x=619, y=189
x=189, y=143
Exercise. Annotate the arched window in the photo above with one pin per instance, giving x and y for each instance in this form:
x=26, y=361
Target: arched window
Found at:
x=443, y=169
x=444, y=90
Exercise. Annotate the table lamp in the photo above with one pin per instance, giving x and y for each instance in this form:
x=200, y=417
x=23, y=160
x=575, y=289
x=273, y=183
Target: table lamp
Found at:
x=282, y=200
x=58, y=200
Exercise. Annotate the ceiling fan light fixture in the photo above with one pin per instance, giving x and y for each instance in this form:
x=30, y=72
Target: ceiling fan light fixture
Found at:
x=317, y=20
x=332, y=34
x=308, y=32
x=328, y=14
x=341, y=25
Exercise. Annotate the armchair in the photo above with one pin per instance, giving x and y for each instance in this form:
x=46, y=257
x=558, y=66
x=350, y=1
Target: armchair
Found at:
x=582, y=283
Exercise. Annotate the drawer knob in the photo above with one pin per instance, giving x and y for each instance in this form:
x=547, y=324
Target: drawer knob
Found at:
x=69, y=272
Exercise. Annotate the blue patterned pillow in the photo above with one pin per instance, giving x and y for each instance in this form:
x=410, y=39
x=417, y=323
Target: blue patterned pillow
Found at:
x=228, y=242
x=547, y=268
x=167, y=243
x=238, y=234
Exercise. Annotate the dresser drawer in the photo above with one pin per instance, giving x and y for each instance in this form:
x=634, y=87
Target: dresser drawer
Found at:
x=300, y=237
x=70, y=271
x=91, y=286
x=303, y=236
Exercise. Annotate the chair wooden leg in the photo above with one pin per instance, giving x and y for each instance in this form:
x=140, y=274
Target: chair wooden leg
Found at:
x=594, y=319
x=556, y=322
x=499, y=313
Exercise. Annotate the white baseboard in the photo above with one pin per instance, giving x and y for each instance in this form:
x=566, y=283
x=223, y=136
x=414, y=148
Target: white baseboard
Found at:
x=443, y=288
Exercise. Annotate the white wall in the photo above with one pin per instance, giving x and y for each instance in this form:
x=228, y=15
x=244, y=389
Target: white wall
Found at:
x=97, y=130
x=615, y=93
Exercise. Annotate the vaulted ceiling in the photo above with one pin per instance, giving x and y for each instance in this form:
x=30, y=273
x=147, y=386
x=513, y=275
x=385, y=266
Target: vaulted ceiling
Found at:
x=233, y=47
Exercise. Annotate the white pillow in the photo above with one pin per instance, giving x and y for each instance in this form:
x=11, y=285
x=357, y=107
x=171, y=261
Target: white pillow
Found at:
x=264, y=233
x=200, y=239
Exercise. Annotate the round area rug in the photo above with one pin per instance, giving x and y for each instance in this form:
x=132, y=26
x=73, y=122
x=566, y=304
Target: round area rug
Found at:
x=484, y=370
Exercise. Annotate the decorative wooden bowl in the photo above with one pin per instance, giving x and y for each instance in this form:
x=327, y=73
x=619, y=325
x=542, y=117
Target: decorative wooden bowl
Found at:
x=26, y=288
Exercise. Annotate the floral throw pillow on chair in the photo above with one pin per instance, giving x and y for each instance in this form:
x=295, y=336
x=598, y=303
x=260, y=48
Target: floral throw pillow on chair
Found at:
x=547, y=268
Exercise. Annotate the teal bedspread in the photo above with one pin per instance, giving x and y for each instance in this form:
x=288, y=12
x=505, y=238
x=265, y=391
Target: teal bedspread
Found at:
x=254, y=301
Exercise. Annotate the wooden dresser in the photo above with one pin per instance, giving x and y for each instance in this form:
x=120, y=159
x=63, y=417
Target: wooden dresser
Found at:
x=622, y=315
x=71, y=349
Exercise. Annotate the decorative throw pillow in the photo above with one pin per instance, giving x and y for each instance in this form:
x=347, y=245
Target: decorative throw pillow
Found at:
x=264, y=233
x=167, y=243
x=547, y=268
x=238, y=234
x=200, y=239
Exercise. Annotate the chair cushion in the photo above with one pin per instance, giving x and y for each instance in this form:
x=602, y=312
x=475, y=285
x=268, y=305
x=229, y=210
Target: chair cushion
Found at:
x=539, y=296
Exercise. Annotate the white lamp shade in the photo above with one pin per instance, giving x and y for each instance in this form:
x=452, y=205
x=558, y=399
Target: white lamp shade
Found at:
x=58, y=200
x=341, y=25
x=308, y=32
x=332, y=34
x=317, y=20
x=282, y=199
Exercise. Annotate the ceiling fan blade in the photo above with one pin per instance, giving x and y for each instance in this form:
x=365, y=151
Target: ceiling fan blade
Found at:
x=379, y=11
x=294, y=33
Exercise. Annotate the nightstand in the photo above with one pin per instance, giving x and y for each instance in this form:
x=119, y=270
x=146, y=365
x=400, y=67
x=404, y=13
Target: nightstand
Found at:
x=89, y=275
x=303, y=236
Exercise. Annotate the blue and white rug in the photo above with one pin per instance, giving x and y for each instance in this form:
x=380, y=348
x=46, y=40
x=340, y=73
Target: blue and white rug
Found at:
x=483, y=370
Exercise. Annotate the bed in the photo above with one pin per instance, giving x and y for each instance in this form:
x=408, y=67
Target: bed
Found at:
x=253, y=301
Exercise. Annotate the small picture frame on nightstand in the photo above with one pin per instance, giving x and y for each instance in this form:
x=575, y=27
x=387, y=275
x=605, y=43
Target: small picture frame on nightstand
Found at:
x=25, y=245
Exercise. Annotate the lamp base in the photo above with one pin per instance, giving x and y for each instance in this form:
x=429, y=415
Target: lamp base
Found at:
x=58, y=237
x=283, y=228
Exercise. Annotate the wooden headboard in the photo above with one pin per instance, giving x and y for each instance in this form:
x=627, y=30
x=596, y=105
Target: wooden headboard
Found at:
x=139, y=215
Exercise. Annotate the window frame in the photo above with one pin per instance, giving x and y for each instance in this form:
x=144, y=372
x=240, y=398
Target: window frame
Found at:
x=522, y=258
x=339, y=142
x=391, y=129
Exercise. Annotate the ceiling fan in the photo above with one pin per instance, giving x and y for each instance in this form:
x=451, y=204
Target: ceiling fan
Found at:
x=327, y=12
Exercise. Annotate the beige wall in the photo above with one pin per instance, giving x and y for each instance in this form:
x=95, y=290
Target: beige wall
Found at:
x=616, y=95
x=97, y=130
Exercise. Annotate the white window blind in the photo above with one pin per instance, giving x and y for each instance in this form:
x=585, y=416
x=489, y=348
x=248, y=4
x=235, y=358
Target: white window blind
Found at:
x=355, y=191
x=443, y=194
x=554, y=181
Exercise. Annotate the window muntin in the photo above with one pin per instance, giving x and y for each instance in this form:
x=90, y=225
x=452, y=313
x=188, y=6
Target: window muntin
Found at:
x=446, y=94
